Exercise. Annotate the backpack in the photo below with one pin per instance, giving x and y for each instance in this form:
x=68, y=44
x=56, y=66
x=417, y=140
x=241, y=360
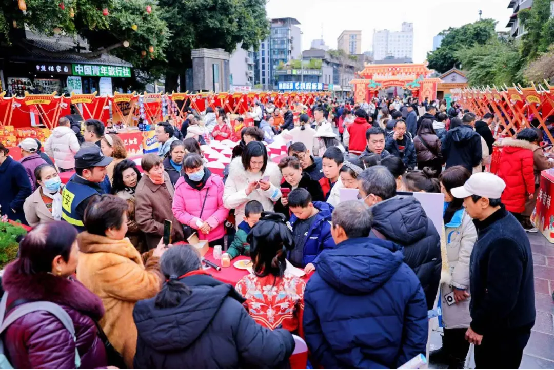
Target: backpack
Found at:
x=23, y=310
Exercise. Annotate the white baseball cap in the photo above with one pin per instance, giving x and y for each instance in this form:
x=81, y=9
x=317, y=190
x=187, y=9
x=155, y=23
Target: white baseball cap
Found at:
x=483, y=184
x=29, y=145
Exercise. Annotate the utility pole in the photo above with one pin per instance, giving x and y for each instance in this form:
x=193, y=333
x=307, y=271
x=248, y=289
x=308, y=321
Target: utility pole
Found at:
x=480, y=14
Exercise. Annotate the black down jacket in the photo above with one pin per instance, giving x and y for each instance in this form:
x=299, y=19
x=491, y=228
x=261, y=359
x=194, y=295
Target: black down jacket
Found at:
x=402, y=220
x=462, y=147
x=209, y=329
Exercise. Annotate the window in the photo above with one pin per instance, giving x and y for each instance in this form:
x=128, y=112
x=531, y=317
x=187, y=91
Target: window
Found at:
x=263, y=73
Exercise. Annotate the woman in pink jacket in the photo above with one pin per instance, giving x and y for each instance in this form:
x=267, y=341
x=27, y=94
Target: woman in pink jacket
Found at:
x=198, y=200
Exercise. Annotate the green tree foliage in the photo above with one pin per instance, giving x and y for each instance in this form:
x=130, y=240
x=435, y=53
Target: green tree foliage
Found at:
x=539, y=29
x=444, y=58
x=497, y=62
x=209, y=24
x=86, y=18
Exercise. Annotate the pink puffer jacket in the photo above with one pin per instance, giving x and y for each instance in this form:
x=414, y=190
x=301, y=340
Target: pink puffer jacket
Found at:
x=187, y=206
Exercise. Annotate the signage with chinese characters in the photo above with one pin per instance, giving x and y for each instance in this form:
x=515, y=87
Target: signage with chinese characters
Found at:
x=38, y=99
x=53, y=68
x=100, y=71
x=301, y=86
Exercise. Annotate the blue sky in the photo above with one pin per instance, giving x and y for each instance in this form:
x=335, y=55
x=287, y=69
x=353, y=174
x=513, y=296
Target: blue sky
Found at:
x=428, y=16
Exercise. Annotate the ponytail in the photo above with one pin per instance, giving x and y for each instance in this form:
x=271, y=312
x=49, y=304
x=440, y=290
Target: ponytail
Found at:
x=171, y=293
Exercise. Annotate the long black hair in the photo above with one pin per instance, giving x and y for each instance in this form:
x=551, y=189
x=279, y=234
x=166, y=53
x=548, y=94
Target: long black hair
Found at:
x=269, y=240
x=118, y=184
x=176, y=262
x=450, y=178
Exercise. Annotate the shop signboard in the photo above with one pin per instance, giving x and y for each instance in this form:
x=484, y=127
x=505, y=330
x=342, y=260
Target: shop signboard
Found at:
x=100, y=70
x=53, y=68
x=301, y=86
x=75, y=84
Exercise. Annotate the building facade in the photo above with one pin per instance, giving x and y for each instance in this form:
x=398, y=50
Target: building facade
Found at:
x=350, y=42
x=437, y=41
x=516, y=28
x=396, y=44
x=210, y=68
x=319, y=44
x=283, y=44
x=241, y=66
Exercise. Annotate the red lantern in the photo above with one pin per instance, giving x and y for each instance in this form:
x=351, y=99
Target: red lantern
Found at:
x=148, y=9
x=105, y=12
x=62, y=6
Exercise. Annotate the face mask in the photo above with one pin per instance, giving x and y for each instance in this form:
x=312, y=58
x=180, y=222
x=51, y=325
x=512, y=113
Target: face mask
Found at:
x=53, y=184
x=197, y=176
x=156, y=178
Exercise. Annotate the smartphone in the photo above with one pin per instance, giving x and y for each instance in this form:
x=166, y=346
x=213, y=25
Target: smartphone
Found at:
x=285, y=192
x=265, y=178
x=167, y=231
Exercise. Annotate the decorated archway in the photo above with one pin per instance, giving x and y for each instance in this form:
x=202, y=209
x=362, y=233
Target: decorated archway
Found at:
x=413, y=77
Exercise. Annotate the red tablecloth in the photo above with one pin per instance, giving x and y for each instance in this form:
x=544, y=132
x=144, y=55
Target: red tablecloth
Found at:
x=229, y=275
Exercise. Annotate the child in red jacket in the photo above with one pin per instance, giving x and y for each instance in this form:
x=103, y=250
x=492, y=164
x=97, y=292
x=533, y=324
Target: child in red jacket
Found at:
x=221, y=130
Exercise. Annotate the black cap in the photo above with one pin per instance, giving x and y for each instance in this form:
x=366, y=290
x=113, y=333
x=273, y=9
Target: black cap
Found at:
x=488, y=115
x=91, y=156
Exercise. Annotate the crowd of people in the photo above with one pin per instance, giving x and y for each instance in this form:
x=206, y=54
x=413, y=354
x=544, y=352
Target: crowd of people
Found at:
x=377, y=264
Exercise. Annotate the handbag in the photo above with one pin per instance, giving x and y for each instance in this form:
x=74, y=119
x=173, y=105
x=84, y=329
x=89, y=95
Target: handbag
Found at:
x=114, y=358
x=187, y=230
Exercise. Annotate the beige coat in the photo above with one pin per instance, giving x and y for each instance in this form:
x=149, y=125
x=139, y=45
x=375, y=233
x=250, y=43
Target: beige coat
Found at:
x=114, y=271
x=35, y=209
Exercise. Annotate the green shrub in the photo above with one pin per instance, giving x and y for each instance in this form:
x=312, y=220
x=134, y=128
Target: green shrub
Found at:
x=8, y=244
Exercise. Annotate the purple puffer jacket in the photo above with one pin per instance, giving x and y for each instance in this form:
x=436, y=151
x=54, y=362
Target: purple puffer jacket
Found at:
x=187, y=206
x=39, y=340
x=30, y=163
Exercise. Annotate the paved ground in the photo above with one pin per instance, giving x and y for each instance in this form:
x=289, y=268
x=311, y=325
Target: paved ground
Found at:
x=539, y=353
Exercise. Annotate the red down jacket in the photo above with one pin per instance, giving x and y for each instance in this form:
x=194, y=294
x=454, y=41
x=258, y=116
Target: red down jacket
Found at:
x=39, y=340
x=516, y=169
x=357, y=130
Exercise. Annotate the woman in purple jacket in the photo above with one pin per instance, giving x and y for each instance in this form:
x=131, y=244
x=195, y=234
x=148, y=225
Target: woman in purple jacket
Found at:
x=43, y=272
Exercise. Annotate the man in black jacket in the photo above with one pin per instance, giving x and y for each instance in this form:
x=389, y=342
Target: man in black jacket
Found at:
x=482, y=128
x=502, y=304
x=401, y=219
x=400, y=144
x=431, y=111
x=462, y=145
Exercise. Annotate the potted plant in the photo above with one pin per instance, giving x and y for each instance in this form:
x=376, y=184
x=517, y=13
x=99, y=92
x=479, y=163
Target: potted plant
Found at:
x=10, y=234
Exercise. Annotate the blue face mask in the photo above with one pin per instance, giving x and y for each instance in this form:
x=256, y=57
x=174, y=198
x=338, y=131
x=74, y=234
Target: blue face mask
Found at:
x=197, y=176
x=53, y=184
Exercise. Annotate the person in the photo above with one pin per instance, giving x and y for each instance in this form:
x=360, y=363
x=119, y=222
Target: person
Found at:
x=94, y=131
x=62, y=145
x=186, y=122
x=411, y=120
x=355, y=138
x=164, y=134
x=460, y=238
x=424, y=181
x=112, y=146
x=126, y=176
x=462, y=146
x=198, y=201
x=540, y=163
x=428, y=147
x=454, y=110
x=173, y=164
x=211, y=319
x=516, y=169
x=341, y=125
x=373, y=295
x=501, y=280
x=303, y=133
x=90, y=172
x=310, y=229
x=111, y=267
x=375, y=138
x=310, y=164
x=257, y=114
x=398, y=170
x=16, y=186
x=252, y=214
x=221, y=130
x=252, y=177
x=191, y=146
x=43, y=155
x=401, y=145
x=274, y=297
x=439, y=126
x=348, y=175
x=384, y=117
x=45, y=204
x=288, y=121
x=324, y=139
x=266, y=127
x=30, y=159
x=154, y=196
x=482, y=128
x=212, y=119
x=430, y=114
x=43, y=271
x=278, y=119
x=197, y=130
x=331, y=164
x=76, y=127
x=416, y=233
x=295, y=178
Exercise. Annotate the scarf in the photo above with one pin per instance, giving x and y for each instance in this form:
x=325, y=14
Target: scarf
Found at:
x=178, y=167
x=130, y=191
x=156, y=179
x=56, y=203
x=198, y=185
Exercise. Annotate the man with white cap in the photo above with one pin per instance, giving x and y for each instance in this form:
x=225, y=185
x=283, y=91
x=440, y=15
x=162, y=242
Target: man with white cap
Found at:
x=30, y=159
x=502, y=304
